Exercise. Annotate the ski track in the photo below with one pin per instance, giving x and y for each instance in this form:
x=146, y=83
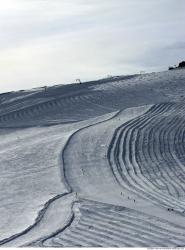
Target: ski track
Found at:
x=43, y=113
x=131, y=166
x=8, y=240
x=110, y=226
x=57, y=105
x=37, y=220
x=103, y=225
x=146, y=157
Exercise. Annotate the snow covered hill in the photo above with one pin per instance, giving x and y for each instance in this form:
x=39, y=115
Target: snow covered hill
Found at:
x=94, y=164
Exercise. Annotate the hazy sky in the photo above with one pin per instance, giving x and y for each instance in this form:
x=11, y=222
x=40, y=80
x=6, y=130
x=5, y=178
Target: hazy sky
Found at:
x=46, y=42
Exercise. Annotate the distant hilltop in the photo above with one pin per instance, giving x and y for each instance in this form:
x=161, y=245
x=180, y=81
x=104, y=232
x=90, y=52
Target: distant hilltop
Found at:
x=181, y=65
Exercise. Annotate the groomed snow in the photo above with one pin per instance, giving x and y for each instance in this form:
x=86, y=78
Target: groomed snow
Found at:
x=109, y=154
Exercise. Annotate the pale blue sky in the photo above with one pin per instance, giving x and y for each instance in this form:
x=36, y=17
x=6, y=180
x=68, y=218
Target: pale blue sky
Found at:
x=46, y=42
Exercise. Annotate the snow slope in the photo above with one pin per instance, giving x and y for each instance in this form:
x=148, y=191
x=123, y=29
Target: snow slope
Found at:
x=94, y=164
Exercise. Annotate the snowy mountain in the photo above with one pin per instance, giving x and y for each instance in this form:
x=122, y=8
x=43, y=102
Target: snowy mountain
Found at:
x=100, y=163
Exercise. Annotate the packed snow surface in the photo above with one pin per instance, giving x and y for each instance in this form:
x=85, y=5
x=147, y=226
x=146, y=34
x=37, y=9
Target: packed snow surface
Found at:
x=94, y=164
